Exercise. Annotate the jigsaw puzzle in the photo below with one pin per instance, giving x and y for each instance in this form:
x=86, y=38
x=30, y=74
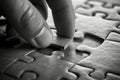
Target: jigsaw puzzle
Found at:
x=45, y=67
x=110, y=10
x=103, y=59
x=93, y=54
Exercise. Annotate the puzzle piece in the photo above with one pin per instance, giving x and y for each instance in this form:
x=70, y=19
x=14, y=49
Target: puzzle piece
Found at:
x=103, y=59
x=25, y=76
x=82, y=72
x=87, y=39
x=9, y=55
x=95, y=25
x=117, y=2
x=61, y=42
x=100, y=7
x=78, y=3
x=112, y=77
x=45, y=67
x=114, y=37
x=71, y=55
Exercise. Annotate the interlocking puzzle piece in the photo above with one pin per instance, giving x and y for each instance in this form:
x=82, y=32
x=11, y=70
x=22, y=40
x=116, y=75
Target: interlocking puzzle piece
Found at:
x=79, y=35
x=46, y=67
x=100, y=7
x=9, y=55
x=25, y=76
x=82, y=72
x=117, y=2
x=111, y=76
x=114, y=37
x=78, y=3
x=87, y=39
x=95, y=25
x=103, y=59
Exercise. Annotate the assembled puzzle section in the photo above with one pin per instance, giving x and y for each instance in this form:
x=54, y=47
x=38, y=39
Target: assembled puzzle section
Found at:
x=43, y=67
x=92, y=55
x=104, y=59
x=110, y=10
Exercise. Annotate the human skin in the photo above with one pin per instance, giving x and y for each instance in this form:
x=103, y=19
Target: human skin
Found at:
x=28, y=19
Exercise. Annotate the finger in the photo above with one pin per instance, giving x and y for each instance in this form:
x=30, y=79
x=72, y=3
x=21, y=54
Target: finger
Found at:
x=41, y=6
x=27, y=21
x=64, y=17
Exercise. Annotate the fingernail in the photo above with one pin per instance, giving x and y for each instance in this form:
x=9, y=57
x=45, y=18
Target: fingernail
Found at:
x=44, y=38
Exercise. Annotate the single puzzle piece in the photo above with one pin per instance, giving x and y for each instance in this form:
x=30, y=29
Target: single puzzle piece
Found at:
x=95, y=25
x=82, y=72
x=100, y=7
x=46, y=67
x=104, y=59
x=61, y=42
x=9, y=55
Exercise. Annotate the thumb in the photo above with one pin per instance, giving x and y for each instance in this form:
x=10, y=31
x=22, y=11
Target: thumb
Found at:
x=27, y=21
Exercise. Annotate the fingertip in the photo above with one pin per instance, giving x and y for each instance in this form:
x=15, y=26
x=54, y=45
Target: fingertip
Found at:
x=43, y=39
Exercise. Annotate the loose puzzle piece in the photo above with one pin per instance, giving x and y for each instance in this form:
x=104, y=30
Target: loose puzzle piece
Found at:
x=110, y=10
x=61, y=42
x=104, y=59
x=95, y=25
x=45, y=67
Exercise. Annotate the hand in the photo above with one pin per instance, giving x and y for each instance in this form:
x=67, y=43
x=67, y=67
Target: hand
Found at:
x=28, y=19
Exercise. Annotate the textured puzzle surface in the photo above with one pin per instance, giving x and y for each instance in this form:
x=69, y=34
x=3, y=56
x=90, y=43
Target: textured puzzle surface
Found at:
x=94, y=53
